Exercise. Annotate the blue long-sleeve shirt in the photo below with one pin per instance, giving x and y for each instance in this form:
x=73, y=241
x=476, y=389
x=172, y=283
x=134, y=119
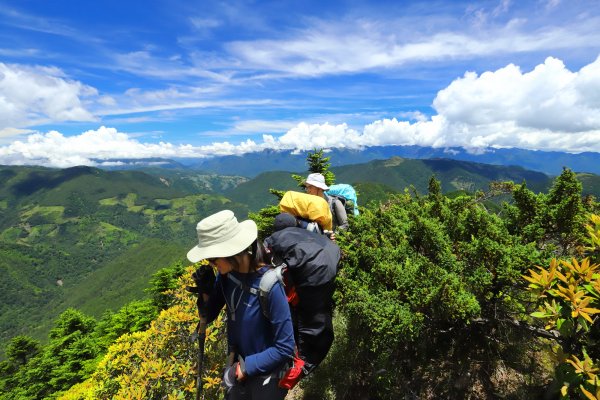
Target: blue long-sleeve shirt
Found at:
x=265, y=345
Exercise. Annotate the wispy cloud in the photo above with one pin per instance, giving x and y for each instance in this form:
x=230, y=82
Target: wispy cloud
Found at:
x=204, y=26
x=262, y=126
x=144, y=63
x=182, y=105
x=550, y=4
x=31, y=96
x=29, y=22
x=324, y=48
x=22, y=20
x=19, y=52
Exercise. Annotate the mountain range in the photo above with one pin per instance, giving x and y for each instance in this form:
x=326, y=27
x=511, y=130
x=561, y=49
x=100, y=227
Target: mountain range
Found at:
x=252, y=164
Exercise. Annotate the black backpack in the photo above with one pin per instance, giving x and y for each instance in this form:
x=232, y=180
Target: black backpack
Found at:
x=311, y=258
x=306, y=258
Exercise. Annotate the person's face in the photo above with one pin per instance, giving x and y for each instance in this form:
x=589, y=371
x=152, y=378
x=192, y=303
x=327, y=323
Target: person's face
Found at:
x=310, y=189
x=221, y=264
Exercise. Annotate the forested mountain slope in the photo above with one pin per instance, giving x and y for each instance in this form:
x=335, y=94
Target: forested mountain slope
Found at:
x=88, y=238
x=399, y=173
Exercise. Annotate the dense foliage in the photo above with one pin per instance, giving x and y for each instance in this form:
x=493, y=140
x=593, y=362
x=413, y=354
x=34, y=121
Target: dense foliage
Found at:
x=427, y=293
x=431, y=300
x=160, y=362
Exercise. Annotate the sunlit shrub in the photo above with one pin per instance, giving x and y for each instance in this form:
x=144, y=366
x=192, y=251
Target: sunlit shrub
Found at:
x=161, y=361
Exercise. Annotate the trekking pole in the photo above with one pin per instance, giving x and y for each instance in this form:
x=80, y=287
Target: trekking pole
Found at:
x=200, y=333
x=201, y=330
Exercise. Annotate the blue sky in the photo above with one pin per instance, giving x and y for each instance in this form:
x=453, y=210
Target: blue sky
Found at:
x=95, y=80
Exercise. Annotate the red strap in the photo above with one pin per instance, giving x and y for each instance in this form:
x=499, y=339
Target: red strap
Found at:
x=293, y=375
x=292, y=296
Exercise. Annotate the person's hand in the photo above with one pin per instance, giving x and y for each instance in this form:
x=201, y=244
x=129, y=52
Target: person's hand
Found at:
x=330, y=234
x=204, y=277
x=240, y=371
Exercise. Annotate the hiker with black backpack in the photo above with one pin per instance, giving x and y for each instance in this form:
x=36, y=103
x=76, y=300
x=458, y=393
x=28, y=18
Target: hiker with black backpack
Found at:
x=309, y=262
x=315, y=185
x=261, y=347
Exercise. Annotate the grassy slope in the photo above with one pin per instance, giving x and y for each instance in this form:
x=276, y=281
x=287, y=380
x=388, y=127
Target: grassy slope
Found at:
x=196, y=181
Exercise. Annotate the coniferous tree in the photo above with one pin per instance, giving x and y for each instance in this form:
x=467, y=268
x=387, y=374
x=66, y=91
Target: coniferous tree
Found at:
x=21, y=349
x=566, y=211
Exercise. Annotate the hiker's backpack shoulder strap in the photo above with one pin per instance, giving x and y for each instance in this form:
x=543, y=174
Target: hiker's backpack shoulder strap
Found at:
x=331, y=202
x=268, y=280
x=270, y=276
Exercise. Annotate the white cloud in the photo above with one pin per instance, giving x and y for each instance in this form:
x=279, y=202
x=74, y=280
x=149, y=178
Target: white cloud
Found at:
x=29, y=95
x=57, y=150
x=549, y=98
x=91, y=147
x=172, y=67
x=36, y=95
x=550, y=4
x=205, y=23
x=547, y=108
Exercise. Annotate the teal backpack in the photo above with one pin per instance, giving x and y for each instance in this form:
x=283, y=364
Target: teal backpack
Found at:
x=347, y=195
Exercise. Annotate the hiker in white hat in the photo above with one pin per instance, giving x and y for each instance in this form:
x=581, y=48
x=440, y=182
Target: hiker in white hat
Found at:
x=262, y=346
x=315, y=185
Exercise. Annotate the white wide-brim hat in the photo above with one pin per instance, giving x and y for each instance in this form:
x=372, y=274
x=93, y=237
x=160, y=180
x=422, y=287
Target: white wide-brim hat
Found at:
x=317, y=180
x=221, y=235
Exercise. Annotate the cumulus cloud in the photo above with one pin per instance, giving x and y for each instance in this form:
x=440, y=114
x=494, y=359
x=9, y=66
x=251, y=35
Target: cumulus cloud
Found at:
x=92, y=147
x=547, y=108
x=30, y=95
